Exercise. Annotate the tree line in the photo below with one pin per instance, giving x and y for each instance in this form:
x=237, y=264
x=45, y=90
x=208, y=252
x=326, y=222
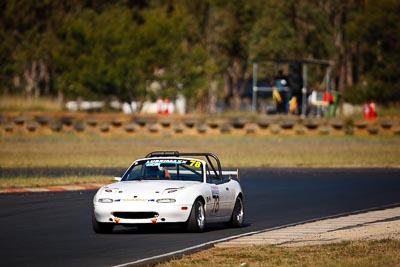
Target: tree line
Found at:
x=203, y=49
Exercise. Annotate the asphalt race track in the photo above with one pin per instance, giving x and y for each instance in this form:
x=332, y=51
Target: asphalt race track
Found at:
x=54, y=229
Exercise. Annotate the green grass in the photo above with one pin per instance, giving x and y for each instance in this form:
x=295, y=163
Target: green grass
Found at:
x=78, y=151
x=234, y=152
x=358, y=253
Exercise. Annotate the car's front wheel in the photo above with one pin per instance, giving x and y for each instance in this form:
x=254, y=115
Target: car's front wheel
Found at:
x=237, y=217
x=101, y=228
x=197, y=217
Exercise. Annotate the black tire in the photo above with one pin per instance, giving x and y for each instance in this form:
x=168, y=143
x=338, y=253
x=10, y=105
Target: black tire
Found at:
x=237, y=217
x=101, y=228
x=197, y=217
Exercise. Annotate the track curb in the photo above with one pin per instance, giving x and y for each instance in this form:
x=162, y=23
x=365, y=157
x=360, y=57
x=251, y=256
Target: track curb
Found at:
x=57, y=188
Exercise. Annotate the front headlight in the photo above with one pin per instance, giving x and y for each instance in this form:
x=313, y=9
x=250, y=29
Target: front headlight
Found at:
x=166, y=200
x=105, y=200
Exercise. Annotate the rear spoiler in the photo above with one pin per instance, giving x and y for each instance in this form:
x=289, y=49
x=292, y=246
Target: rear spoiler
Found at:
x=234, y=175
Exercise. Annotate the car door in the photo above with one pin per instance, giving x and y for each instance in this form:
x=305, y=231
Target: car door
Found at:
x=220, y=198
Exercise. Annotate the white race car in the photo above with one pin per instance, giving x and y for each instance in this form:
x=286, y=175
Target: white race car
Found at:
x=171, y=187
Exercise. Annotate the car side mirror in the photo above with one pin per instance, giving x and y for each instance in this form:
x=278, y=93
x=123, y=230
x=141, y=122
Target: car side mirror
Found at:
x=117, y=179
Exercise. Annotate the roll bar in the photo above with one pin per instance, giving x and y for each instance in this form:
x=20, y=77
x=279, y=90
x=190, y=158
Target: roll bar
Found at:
x=217, y=171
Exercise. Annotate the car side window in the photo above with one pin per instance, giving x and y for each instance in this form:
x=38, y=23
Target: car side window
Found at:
x=225, y=180
x=213, y=179
x=210, y=177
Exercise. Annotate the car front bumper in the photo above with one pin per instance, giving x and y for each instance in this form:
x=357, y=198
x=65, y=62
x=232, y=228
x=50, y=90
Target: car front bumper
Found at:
x=149, y=213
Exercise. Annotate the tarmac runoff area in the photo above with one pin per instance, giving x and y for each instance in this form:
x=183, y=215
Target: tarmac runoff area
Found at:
x=372, y=225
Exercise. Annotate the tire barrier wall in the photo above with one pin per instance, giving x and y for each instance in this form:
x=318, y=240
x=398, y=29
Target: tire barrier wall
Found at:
x=118, y=124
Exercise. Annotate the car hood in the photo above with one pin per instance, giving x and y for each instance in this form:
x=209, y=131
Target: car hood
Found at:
x=144, y=189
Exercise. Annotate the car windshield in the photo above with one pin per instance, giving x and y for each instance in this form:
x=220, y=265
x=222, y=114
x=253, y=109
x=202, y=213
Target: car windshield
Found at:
x=165, y=169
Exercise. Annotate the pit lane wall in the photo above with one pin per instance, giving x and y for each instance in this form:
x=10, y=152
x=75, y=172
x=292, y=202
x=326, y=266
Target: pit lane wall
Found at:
x=42, y=123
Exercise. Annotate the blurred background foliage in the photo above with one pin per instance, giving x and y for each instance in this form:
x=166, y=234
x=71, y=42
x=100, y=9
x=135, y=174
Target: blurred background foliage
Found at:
x=202, y=49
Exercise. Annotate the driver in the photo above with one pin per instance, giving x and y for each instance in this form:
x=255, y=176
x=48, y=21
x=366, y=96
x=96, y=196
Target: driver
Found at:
x=157, y=171
x=166, y=173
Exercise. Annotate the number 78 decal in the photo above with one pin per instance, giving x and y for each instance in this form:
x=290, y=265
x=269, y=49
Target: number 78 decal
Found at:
x=195, y=163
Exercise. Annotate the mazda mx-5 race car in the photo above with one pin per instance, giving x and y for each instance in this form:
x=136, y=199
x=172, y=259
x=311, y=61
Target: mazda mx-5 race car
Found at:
x=167, y=187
